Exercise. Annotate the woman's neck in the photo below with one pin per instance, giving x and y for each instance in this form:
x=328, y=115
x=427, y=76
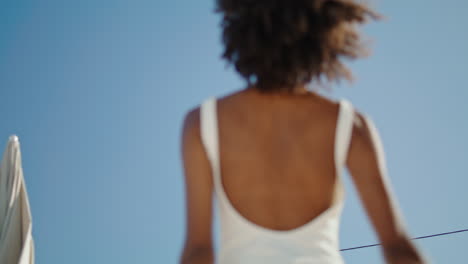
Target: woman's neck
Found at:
x=297, y=90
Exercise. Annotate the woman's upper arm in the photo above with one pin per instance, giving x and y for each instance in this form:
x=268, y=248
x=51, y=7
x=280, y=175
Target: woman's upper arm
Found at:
x=198, y=185
x=366, y=163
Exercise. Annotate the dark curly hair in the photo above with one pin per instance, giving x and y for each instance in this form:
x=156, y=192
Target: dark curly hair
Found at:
x=279, y=44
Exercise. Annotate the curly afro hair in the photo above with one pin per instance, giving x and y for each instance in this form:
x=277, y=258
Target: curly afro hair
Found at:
x=280, y=44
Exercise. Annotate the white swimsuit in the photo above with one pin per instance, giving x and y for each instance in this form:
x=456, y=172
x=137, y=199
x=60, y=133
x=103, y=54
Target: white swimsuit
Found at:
x=244, y=242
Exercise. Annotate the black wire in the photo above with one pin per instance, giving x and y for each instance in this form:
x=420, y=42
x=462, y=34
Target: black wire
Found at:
x=421, y=237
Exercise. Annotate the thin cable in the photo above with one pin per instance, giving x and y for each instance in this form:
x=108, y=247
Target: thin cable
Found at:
x=421, y=237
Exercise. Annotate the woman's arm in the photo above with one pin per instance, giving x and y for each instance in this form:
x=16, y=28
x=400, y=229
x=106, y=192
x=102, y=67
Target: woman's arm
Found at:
x=366, y=163
x=198, y=247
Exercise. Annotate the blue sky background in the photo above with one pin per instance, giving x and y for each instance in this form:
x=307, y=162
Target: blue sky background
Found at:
x=96, y=91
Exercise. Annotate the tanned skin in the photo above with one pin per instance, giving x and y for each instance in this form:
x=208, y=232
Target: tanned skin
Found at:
x=278, y=171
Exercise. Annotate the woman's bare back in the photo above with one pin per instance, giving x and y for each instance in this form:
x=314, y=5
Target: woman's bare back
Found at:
x=277, y=156
x=278, y=170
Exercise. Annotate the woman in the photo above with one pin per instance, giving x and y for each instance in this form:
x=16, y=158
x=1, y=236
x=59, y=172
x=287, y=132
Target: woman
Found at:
x=273, y=153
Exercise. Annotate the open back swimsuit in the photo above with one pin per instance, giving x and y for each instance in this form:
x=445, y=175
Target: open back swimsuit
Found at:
x=244, y=242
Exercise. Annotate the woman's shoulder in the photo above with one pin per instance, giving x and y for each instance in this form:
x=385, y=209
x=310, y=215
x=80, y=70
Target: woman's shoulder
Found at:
x=329, y=106
x=250, y=94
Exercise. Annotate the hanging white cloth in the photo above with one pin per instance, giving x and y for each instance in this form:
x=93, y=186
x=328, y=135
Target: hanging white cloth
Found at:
x=16, y=242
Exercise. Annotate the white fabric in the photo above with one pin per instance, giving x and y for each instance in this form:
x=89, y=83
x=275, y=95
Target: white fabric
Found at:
x=16, y=242
x=245, y=242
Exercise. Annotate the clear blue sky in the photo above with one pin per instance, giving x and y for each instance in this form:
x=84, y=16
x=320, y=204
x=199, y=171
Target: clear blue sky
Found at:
x=96, y=91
